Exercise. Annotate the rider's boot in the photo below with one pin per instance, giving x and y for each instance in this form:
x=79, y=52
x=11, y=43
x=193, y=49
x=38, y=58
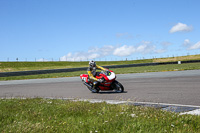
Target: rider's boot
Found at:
x=95, y=86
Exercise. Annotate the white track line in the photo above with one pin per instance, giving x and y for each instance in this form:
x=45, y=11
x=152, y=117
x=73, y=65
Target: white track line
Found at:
x=193, y=112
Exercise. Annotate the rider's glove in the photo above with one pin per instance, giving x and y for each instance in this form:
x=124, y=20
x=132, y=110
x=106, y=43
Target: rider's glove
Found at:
x=100, y=80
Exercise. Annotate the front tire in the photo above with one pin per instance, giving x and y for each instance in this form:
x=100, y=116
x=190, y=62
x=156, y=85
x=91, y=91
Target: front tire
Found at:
x=118, y=87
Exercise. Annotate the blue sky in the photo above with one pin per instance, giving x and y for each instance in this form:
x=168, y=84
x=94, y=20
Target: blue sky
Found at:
x=75, y=30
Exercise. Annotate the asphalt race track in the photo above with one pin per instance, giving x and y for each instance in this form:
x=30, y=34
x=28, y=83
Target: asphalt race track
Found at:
x=179, y=87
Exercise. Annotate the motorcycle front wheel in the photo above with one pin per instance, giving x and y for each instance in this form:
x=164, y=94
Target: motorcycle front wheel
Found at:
x=117, y=87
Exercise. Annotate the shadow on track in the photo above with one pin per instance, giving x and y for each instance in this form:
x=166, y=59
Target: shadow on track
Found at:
x=111, y=92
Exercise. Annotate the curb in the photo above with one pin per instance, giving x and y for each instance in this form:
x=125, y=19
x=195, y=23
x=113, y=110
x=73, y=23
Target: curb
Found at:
x=177, y=108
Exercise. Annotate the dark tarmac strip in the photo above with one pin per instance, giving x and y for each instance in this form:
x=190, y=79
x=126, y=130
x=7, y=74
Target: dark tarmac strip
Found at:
x=178, y=87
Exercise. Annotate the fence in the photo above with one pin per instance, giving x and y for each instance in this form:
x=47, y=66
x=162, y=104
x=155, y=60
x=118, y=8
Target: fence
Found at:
x=17, y=59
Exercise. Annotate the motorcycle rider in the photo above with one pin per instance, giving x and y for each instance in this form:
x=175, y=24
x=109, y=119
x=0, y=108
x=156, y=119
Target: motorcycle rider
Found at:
x=92, y=74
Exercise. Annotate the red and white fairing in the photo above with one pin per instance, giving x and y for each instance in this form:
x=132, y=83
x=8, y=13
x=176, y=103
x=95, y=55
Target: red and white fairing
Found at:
x=109, y=77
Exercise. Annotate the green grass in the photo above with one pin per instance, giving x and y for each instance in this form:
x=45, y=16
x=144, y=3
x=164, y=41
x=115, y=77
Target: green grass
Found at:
x=179, y=58
x=159, y=68
x=45, y=115
x=143, y=69
x=25, y=66
x=41, y=76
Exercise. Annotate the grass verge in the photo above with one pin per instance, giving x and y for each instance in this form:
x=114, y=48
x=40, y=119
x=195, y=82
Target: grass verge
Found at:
x=47, y=115
x=26, y=66
x=143, y=69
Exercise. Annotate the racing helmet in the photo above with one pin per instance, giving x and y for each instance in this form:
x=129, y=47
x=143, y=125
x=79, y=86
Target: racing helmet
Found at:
x=92, y=63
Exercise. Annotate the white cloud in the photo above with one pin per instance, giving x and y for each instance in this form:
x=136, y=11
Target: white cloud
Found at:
x=145, y=47
x=195, y=46
x=191, y=46
x=104, y=50
x=124, y=50
x=180, y=27
x=79, y=56
x=186, y=42
x=92, y=53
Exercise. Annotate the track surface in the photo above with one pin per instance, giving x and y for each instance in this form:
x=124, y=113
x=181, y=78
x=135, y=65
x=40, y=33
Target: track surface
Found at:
x=180, y=87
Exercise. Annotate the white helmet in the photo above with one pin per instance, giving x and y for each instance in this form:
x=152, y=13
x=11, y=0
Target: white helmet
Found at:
x=92, y=63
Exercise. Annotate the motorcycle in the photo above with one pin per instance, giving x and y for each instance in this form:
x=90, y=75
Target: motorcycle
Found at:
x=109, y=82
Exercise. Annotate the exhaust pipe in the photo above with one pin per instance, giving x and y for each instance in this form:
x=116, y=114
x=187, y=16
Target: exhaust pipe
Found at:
x=90, y=87
x=85, y=83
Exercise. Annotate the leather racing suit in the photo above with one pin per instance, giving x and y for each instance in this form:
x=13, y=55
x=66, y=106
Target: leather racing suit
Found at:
x=92, y=72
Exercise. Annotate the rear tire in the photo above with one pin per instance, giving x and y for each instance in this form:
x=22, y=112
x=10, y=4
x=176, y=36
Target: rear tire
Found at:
x=118, y=87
